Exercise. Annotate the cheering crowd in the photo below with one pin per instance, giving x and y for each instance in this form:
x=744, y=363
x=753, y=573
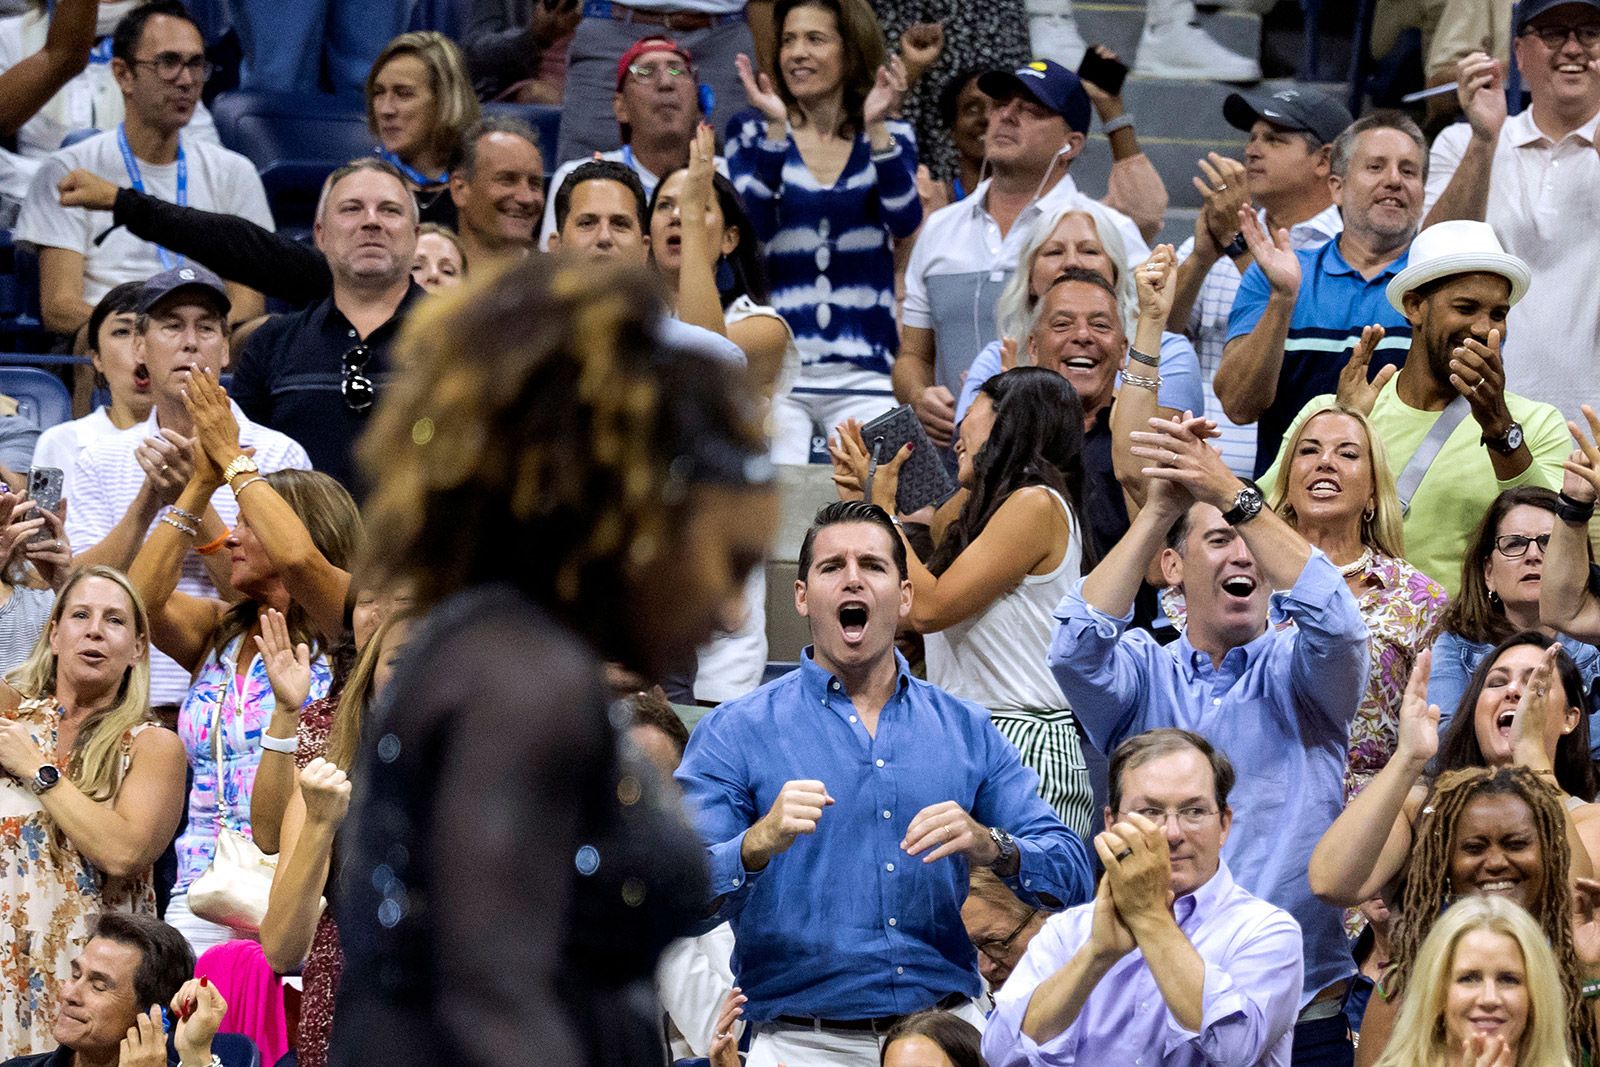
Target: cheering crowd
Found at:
x=1204, y=644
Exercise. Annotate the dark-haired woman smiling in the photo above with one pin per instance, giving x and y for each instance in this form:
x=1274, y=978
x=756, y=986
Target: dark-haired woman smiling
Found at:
x=983, y=599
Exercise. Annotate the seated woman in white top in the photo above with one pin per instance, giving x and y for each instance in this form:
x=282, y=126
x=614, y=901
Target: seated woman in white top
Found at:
x=118, y=369
x=703, y=244
x=1011, y=549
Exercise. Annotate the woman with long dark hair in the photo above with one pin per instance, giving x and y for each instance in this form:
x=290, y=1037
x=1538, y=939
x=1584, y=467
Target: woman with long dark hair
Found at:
x=563, y=489
x=983, y=599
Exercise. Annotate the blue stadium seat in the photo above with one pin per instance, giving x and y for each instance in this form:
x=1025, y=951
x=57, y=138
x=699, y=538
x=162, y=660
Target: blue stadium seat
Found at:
x=39, y=395
x=295, y=140
x=546, y=122
x=234, y=1050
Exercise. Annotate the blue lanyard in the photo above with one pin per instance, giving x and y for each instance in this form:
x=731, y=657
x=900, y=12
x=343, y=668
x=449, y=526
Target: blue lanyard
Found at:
x=959, y=189
x=131, y=165
x=417, y=178
x=101, y=52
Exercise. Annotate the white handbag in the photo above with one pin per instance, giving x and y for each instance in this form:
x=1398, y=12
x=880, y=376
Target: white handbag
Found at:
x=234, y=890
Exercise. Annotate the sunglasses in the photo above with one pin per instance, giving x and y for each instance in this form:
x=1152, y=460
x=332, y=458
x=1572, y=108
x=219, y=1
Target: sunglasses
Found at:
x=356, y=388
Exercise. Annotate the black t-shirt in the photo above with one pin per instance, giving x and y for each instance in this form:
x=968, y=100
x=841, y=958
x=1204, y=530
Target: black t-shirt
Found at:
x=290, y=376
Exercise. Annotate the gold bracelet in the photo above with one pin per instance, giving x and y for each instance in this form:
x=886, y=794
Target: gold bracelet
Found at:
x=237, y=489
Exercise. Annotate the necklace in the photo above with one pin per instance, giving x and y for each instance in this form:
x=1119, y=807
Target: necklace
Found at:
x=1357, y=565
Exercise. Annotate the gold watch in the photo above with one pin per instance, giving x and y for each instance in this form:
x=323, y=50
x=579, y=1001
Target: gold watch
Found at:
x=241, y=464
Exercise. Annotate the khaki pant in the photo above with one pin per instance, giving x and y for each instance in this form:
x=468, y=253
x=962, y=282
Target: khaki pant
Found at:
x=1451, y=29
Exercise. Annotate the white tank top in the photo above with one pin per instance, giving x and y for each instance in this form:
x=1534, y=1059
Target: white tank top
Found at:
x=997, y=657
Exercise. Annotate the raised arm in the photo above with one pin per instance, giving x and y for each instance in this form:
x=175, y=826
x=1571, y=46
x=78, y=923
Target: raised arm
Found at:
x=315, y=584
x=289, y=672
x=698, y=301
x=180, y=625
x=29, y=85
x=1541, y=712
x=1246, y=381
x=1565, y=600
x=1480, y=89
x=1222, y=185
x=1367, y=845
x=122, y=835
x=1137, y=401
x=316, y=810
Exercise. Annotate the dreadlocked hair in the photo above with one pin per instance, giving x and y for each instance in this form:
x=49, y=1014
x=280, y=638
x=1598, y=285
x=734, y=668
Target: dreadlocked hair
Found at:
x=1427, y=886
x=537, y=437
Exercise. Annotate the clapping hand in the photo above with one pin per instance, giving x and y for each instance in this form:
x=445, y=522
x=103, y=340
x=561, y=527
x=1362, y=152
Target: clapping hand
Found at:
x=1582, y=479
x=888, y=89
x=216, y=430
x=724, y=1050
x=168, y=462
x=1486, y=1050
x=1273, y=253
x=1138, y=865
x=1586, y=924
x=1109, y=937
x=1225, y=190
x=288, y=664
x=1418, y=731
x=1542, y=706
x=1178, y=451
x=762, y=96
x=1354, y=389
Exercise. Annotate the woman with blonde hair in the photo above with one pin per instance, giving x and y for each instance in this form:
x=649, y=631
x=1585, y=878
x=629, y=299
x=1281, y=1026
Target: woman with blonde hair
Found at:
x=1338, y=492
x=419, y=103
x=92, y=793
x=1485, y=989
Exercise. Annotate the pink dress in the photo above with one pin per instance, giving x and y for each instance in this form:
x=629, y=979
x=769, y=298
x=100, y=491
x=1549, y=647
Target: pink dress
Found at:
x=320, y=977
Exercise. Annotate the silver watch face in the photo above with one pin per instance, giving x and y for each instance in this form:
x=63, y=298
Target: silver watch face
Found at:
x=1249, y=500
x=1513, y=438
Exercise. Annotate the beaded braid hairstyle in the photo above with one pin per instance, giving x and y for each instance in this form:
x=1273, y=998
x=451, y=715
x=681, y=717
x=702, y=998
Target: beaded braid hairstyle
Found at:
x=1427, y=888
x=543, y=435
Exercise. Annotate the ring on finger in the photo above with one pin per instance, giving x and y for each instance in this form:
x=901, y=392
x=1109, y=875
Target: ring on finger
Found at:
x=1222, y=188
x=1124, y=854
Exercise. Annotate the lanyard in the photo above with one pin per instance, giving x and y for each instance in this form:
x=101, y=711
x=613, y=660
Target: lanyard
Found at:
x=417, y=178
x=101, y=52
x=131, y=165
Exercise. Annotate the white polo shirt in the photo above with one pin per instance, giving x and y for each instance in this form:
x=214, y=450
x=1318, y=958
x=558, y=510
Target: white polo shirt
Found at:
x=961, y=262
x=1208, y=327
x=1544, y=204
x=105, y=480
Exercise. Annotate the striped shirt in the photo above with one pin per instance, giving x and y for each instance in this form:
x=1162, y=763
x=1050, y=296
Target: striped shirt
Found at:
x=830, y=248
x=106, y=479
x=1335, y=302
x=1208, y=326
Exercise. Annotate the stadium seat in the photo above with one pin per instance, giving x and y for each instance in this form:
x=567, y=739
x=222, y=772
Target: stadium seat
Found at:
x=39, y=395
x=546, y=121
x=294, y=140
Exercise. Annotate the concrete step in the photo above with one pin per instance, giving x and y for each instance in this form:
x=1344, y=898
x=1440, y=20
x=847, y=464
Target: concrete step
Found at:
x=1118, y=25
x=1177, y=227
x=1174, y=159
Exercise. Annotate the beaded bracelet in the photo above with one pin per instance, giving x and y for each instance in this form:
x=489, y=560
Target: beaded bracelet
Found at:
x=173, y=509
x=1141, y=381
x=180, y=525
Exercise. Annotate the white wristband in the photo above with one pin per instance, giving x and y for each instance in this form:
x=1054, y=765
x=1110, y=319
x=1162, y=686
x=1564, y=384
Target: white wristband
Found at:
x=287, y=745
x=1121, y=122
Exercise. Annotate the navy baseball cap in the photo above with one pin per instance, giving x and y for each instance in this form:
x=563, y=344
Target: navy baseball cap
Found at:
x=1046, y=82
x=1528, y=10
x=190, y=276
x=1297, y=108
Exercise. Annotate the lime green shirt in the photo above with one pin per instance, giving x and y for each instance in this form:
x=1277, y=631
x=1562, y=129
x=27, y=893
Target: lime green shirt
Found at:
x=1460, y=484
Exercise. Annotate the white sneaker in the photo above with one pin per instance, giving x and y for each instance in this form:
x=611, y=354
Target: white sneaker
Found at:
x=1056, y=37
x=1183, y=50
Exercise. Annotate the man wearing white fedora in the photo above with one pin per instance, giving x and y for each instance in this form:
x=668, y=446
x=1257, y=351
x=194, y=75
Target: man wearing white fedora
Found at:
x=1454, y=436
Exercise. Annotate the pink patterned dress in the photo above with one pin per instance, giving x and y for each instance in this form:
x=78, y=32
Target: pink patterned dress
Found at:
x=48, y=894
x=320, y=977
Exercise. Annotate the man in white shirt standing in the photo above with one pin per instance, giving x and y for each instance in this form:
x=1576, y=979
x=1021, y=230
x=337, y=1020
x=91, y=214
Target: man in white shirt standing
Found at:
x=124, y=483
x=1284, y=176
x=159, y=62
x=1533, y=177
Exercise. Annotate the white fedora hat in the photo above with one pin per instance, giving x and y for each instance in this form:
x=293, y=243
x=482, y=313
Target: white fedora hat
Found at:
x=1457, y=247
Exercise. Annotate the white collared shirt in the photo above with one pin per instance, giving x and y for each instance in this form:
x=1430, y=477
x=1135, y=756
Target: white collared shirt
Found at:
x=1208, y=326
x=961, y=262
x=1544, y=204
x=105, y=480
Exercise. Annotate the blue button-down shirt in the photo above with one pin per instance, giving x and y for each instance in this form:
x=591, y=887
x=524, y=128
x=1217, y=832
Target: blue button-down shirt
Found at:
x=1280, y=707
x=1248, y=1001
x=844, y=925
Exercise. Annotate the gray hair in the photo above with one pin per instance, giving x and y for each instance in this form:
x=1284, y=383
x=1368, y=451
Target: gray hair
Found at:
x=494, y=124
x=1017, y=309
x=1344, y=146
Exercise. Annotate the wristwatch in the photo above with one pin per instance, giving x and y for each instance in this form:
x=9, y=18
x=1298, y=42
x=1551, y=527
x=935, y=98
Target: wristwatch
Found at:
x=1247, y=504
x=45, y=780
x=1007, y=847
x=1236, y=247
x=1507, y=444
x=241, y=464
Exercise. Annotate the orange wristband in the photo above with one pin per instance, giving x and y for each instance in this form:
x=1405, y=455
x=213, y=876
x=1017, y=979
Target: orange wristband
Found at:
x=213, y=547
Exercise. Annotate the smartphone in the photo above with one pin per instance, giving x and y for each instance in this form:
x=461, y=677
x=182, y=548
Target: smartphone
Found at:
x=44, y=489
x=924, y=480
x=1106, y=74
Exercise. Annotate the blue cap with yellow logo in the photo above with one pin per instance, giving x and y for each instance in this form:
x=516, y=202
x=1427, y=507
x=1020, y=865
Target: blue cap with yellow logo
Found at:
x=1048, y=83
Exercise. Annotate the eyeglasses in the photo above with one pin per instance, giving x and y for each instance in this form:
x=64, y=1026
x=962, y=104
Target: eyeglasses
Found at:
x=1515, y=546
x=990, y=948
x=168, y=65
x=1188, y=818
x=356, y=388
x=1554, y=37
x=645, y=71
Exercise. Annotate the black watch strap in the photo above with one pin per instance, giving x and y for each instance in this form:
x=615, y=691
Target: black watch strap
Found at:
x=1247, y=505
x=1236, y=247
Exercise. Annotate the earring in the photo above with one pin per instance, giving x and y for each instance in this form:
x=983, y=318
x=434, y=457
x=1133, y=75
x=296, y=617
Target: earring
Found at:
x=1494, y=599
x=1366, y=516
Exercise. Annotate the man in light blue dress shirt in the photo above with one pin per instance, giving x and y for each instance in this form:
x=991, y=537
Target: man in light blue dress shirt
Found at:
x=1278, y=702
x=842, y=807
x=1174, y=963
